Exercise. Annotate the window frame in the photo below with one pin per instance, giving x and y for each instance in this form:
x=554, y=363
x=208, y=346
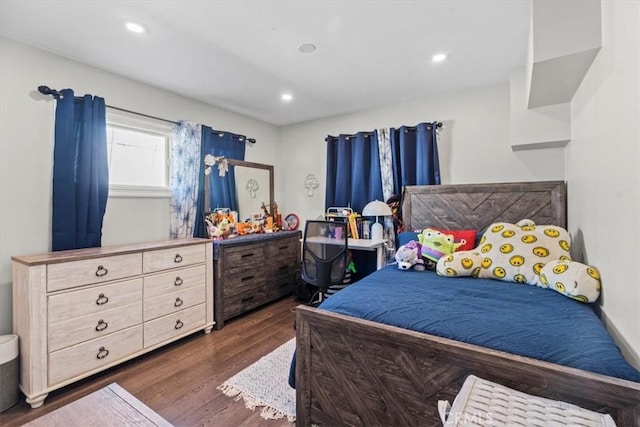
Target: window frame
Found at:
x=131, y=121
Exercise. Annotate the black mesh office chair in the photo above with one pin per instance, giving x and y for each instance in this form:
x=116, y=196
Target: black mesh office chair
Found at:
x=324, y=255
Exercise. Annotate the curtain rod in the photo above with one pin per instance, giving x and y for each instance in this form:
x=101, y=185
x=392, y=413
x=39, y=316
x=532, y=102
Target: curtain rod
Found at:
x=438, y=126
x=46, y=90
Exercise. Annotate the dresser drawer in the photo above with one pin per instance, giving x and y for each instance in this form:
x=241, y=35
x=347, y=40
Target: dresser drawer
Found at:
x=90, y=355
x=173, y=281
x=280, y=286
x=180, y=256
x=70, y=305
x=89, y=271
x=237, y=282
x=167, y=327
x=284, y=248
x=73, y=331
x=243, y=302
x=243, y=257
x=173, y=302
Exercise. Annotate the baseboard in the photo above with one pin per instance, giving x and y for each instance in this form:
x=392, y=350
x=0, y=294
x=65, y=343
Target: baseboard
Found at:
x=632, y=357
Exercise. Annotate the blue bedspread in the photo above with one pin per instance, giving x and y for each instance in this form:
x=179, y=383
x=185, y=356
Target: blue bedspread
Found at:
x=518, y=319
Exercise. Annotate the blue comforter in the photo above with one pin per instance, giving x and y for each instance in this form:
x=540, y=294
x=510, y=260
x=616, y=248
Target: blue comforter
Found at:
x=518, y=319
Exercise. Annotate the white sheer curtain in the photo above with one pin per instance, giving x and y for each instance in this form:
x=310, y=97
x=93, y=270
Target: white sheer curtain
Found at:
x=185, y=175
x=386, y=171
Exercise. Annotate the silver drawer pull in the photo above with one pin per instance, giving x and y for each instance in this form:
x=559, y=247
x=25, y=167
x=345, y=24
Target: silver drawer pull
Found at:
x=102, y=299
x=177, y=258
x=101, y=271
x=179, y=324
x=178, y=302
x=102, y=353
x=178, y=281
x=102, y=325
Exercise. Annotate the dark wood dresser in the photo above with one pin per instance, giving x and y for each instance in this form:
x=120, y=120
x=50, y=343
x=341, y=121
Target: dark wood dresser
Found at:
x=252, y=270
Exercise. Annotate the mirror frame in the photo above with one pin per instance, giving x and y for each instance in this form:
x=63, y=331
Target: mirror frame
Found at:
x=269, y=168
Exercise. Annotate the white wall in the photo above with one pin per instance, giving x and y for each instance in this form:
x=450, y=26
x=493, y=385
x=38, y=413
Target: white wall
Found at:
x=474, y=144
x=603, y=170
x=26, y=147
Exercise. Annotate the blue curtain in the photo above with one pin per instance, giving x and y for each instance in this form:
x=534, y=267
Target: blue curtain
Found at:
x=415, y=156
x=80, y=172
x=223, y=192
x=353, y=171
x=186, y=168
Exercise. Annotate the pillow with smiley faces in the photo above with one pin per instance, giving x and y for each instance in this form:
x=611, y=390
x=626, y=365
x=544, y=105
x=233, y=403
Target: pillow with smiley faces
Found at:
x=525, y=253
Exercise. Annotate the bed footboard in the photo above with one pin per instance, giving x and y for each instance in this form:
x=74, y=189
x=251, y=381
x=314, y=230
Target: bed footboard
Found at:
x=351, y=371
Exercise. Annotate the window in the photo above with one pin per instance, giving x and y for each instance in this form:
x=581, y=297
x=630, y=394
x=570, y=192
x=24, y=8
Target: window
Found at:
x=138, y=155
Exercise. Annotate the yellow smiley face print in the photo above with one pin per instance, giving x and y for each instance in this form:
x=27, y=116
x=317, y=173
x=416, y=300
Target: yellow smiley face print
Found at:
x=508, y=233
x=449, y=258
x=593, y=272
x=551, y=232
x=528, y=227
x=529, y=238
x=560, y=268
x=537, y=267
x=580, y=298
x=486, y=262
x=544, y=280
x=507, y=248
x=564, y=245
x=450, y=272
x=564, y=258
x=516, y=260
x=497, y=228
x=499, y=272
x=475, y=272
x=483, y=239
x=560, y=287
x=540, y=251
x=467, y=263
x=519, y=278
x=486, y=248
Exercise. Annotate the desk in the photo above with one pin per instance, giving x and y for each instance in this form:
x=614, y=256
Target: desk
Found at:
x=370, y=245
x=361, y=245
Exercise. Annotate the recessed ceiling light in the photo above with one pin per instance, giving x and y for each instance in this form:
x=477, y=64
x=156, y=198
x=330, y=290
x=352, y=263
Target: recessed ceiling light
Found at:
x=286, y=97
x=306, y=48
x=135, y=28
x=439, y=57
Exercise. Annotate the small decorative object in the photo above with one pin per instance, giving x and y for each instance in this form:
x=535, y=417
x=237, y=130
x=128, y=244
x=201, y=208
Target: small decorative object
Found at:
x=252, y=186
x=211, y=160
x=291, y=222
x=311, y=183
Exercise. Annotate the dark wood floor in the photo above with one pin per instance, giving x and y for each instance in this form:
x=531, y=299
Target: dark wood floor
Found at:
x=179, y=381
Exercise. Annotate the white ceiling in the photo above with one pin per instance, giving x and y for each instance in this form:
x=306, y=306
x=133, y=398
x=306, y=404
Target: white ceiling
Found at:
x=242, y=55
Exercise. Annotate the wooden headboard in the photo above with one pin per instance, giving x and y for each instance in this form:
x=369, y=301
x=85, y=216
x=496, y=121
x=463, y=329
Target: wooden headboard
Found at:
x=476, y=206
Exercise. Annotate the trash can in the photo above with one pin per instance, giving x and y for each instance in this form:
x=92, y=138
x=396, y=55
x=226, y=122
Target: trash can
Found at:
x=9, y=371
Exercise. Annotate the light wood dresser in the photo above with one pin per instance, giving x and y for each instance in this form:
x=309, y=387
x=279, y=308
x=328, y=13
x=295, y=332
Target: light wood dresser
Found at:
x=81, y=311
x=253, y=270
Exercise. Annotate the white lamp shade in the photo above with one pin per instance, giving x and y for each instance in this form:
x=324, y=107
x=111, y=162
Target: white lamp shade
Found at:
x=376, y=208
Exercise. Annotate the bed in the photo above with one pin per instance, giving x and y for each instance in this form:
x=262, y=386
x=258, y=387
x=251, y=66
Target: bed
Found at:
x=353, y=371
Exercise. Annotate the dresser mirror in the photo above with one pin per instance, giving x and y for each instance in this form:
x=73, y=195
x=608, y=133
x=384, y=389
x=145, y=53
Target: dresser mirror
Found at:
x=254, y=186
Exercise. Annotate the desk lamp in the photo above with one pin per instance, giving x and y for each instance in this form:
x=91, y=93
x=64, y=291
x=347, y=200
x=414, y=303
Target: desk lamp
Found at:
x=376, y=208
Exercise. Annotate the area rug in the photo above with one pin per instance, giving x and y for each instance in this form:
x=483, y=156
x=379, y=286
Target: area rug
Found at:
x=265, y=384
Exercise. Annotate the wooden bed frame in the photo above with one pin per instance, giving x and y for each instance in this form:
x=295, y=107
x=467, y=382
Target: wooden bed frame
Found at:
x=351, y=371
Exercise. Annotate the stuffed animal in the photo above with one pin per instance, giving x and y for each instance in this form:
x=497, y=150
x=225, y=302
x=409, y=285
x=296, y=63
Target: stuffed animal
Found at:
x=526, y=253
x=408, y=256
x=435, y=245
